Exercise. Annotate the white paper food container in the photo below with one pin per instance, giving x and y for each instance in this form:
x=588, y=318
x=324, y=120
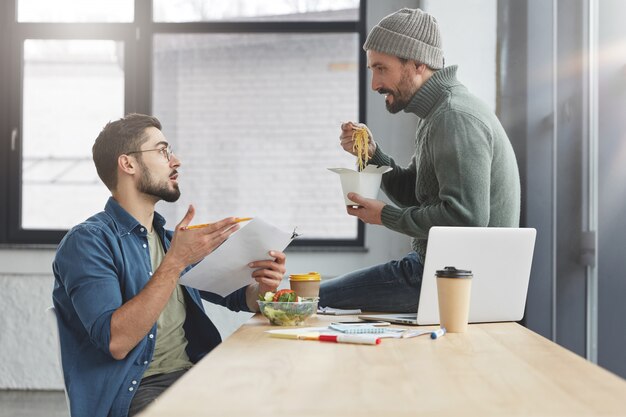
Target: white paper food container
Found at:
x=366, y=183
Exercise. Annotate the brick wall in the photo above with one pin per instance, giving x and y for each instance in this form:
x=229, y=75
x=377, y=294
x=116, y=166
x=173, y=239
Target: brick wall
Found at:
x=255, y=120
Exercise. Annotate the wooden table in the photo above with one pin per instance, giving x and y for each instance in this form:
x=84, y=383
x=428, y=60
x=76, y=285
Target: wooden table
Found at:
x=499, y=369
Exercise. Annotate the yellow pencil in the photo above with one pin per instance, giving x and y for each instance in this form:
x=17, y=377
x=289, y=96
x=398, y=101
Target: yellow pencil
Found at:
x=199, y=226
x=297, y=336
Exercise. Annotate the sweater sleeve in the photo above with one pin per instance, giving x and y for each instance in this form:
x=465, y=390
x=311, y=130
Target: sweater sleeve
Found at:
x=399, y=183
x=462, y=151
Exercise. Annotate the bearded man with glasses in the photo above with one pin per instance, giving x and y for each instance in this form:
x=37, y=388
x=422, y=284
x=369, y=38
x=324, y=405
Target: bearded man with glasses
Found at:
x=128, y=329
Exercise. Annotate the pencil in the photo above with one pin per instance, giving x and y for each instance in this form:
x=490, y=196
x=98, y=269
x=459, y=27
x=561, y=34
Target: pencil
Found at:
x=297, y=336
x=199, y=226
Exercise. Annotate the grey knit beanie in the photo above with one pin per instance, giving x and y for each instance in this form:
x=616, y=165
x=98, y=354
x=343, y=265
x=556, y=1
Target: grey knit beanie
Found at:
x=408, y=33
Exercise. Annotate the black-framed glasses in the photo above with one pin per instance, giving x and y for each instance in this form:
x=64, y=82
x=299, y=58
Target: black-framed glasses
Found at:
x=166, y=152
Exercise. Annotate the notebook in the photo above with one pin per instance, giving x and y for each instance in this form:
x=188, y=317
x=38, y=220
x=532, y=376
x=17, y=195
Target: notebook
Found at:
x=363, y=328
x=500, y=260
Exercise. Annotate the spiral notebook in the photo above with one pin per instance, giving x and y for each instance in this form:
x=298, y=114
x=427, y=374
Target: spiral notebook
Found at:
x=364, y=329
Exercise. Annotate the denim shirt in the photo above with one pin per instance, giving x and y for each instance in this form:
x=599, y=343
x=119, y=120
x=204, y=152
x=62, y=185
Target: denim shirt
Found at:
x=101, y=264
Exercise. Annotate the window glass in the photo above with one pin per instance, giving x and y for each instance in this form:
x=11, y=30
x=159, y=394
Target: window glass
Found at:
x=71, y=87
x=257, y=10
x=255, y=120
x=75, y=11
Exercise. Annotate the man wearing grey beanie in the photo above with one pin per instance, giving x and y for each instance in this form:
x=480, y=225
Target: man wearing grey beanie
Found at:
x=463, y=172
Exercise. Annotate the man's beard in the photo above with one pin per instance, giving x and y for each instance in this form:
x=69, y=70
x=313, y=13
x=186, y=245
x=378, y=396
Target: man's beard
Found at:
x=160, y=190
x=401, y=97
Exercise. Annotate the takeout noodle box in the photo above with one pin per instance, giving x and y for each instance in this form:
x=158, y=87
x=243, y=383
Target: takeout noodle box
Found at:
x=366, y=183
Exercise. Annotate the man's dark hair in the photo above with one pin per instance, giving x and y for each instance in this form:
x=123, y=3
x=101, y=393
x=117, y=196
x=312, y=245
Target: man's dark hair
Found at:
x=117, y=138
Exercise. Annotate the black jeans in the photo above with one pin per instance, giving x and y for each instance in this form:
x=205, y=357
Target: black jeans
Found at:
x=150, y=388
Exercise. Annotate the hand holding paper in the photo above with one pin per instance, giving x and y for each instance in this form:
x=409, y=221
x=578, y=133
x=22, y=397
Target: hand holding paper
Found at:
x=269, y=273
x=227, y=268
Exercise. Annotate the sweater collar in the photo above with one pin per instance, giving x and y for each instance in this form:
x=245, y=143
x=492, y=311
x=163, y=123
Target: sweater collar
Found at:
x=428, y=94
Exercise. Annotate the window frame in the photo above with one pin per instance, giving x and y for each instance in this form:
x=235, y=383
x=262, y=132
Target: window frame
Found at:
x=137, y=37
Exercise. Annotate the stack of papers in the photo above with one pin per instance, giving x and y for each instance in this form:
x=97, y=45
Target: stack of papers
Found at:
x=365, y=331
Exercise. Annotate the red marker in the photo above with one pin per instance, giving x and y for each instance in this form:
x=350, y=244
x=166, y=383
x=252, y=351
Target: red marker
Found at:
x=350, y=338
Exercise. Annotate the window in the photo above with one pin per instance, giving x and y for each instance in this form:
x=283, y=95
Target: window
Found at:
x=255, y=10
x=73, y=11
x=69, y=88
x=250, y=94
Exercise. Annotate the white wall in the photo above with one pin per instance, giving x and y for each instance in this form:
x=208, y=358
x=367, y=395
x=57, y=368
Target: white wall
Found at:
x=468, y=31
x=26, y=343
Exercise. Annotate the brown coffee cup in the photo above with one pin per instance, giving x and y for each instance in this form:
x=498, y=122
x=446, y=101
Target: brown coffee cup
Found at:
x=453, y=292
x=306, y=285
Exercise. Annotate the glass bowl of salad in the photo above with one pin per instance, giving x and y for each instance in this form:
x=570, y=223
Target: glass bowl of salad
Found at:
x=285, y=308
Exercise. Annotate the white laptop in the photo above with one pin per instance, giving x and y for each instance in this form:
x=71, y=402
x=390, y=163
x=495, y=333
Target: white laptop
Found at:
x=500, y=260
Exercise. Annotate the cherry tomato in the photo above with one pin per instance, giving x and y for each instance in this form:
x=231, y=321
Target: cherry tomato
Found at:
x=285, y=295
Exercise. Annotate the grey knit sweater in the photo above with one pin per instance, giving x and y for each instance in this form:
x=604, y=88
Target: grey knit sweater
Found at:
x=463, y=172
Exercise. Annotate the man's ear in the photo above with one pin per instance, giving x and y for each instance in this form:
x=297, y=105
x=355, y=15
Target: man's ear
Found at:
x=420, y=68
x=127, y=164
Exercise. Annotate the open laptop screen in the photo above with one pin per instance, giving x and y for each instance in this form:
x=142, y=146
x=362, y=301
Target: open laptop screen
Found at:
x=500, y=260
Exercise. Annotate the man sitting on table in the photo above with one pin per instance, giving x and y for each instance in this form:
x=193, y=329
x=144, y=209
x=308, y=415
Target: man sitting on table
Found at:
x=463, y=171
x=128, y=330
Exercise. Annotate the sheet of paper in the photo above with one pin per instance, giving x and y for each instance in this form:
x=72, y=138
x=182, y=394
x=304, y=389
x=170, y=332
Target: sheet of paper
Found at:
x=226, y=268
x=301, y=330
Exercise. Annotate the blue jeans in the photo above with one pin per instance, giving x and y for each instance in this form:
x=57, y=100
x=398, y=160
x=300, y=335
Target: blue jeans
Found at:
x=390, y=287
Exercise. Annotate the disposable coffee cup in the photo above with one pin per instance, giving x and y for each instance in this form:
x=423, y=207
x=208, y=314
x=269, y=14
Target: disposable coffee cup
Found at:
x=306, y=285
x=453, y=291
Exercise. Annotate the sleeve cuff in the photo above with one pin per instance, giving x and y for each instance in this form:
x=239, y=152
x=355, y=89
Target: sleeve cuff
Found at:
x=379, y=158
x=239, y=298
x=390, y=216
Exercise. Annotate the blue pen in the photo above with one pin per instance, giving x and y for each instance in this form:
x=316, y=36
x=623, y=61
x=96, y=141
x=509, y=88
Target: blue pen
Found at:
x=438, y=333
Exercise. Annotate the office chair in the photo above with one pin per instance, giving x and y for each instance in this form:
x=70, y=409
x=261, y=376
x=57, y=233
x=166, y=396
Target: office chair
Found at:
x=52, y=313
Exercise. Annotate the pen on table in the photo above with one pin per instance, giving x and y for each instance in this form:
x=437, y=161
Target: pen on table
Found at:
x=412, y=333
x=350, y=338
x=199, y=226
x=438, y=333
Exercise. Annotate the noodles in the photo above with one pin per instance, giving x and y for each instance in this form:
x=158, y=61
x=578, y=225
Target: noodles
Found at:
x=361, y=140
